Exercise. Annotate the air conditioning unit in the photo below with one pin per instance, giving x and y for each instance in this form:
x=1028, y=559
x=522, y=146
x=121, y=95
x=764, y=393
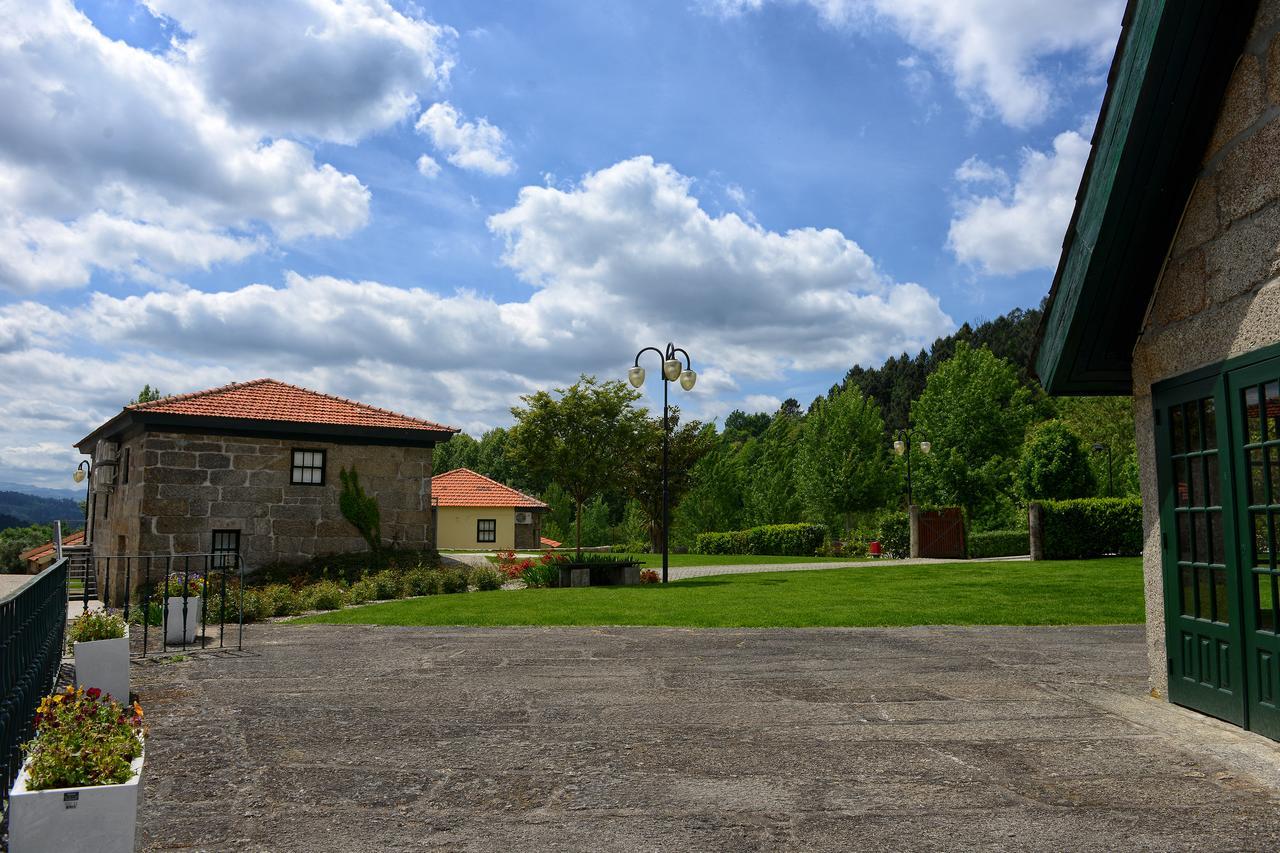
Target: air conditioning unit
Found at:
x=524, y=518
x=105, y=462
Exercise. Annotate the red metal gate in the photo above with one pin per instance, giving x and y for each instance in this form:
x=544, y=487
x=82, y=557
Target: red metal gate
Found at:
x=940, y=533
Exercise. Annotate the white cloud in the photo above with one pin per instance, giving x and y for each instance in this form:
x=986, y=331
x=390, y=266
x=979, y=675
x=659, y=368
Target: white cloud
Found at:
x=991, y=48
x=766, y=403
x=321, y=68
x=625, y=258
x=632, y=238
x=427, y=166
x=114, y=158
x=1012, y=231
x=477, y=146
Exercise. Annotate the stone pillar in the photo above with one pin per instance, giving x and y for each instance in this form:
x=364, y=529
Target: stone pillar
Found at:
x=1035, y=528
x=914, y=512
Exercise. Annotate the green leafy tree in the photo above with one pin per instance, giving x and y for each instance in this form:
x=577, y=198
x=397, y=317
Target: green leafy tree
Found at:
x=460, y=451
x=1053, y=464
x=642, y=473
x=360, y=509
x=714, y=499
x=975, y=410
x=769, y=490
x=15, y=540
x=577, y=436
x=146, y=395
x=1106, y=422
x=843, y=466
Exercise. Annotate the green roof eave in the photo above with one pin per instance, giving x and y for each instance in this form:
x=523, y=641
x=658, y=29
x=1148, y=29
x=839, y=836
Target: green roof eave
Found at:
x=1164, y=91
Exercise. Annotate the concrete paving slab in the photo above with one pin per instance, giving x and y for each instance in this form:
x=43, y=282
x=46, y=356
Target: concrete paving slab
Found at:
x=629, y=739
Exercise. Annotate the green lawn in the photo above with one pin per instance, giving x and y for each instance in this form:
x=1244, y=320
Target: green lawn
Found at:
x=654, y=561
x=1076, y=592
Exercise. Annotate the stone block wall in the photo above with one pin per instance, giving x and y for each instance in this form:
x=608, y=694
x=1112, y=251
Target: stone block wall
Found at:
x=1219, y=293
x=184, y=487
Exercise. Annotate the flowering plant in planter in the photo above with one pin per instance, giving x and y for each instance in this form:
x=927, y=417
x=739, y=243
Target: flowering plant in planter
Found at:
x=94, y=625
x=178, y=585
x=83, y=739
x=99, y=640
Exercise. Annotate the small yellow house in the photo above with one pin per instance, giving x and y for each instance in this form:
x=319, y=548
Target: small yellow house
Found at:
x=473, y=511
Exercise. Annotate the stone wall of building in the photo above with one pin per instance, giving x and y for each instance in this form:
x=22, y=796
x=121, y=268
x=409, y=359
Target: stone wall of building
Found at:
x=184, y=487
x=1219, y=293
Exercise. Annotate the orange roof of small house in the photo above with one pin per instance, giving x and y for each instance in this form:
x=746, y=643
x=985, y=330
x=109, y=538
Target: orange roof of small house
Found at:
x=41, y=551
x=271, y=400
x=549, y=543
x=464, y=487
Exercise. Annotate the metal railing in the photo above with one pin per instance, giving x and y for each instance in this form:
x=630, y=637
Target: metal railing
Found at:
x=191, y=597
x=33, y=623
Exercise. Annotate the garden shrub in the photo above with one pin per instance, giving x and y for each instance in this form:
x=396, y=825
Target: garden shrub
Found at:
x=894, y=534
x=387, y=584
x=487, y=578
x=1092, y=527
x=255, y=607
x=999, y=543
x=453, y=580
x=325, y=595
x=423, y=581
x=649, y=576
x=362, y=591
x=281, y=599
x=779, y=540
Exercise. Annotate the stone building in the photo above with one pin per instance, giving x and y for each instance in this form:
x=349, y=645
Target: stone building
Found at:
x=479, y=513
x=252, y=469
x=1168, y=288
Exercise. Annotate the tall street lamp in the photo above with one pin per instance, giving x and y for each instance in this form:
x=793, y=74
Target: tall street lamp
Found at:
x=80, y=476
x=902, y=447
x=1098, y=447
x=672, y=371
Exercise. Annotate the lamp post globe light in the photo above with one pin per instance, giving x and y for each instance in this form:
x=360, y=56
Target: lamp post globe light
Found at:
x=82, y=474
x=1099, y=447
x=902, y=447
x=672, y=371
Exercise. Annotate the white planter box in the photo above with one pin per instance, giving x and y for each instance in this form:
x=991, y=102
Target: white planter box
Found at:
x=104, y=664
x=173, y=632
x=100, y=819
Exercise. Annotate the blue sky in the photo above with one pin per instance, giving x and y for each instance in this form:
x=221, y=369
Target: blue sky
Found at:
x=193, y=194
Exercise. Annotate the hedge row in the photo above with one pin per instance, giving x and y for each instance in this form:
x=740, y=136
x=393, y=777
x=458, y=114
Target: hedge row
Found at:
x=999, y=543
x=779, y=540
x=1092, y=527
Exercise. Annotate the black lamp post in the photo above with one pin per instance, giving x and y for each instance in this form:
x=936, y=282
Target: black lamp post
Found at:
x=1098, y=447
x=83, y=470
x=902, y=447
x=672, y=371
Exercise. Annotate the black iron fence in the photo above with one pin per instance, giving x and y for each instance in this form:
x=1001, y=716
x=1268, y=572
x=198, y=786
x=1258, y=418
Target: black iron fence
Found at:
x=33, y=621
x=174, y=601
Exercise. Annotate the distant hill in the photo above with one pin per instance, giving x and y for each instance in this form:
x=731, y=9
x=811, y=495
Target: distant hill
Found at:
x=43, y=492
x=7, y=521
x=30, y=509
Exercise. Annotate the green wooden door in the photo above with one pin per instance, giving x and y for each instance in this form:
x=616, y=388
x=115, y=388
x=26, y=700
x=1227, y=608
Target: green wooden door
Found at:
x=1201, y=567
x=1255, y=438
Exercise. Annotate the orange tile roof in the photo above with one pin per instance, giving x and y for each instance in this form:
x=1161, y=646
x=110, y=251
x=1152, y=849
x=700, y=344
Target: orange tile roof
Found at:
x=41, y=551
x=464, y=487
x=269, y=400
x=549, y=543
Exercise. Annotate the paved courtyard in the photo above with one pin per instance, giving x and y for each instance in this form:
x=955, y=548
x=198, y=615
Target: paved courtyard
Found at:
x=380, y=738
